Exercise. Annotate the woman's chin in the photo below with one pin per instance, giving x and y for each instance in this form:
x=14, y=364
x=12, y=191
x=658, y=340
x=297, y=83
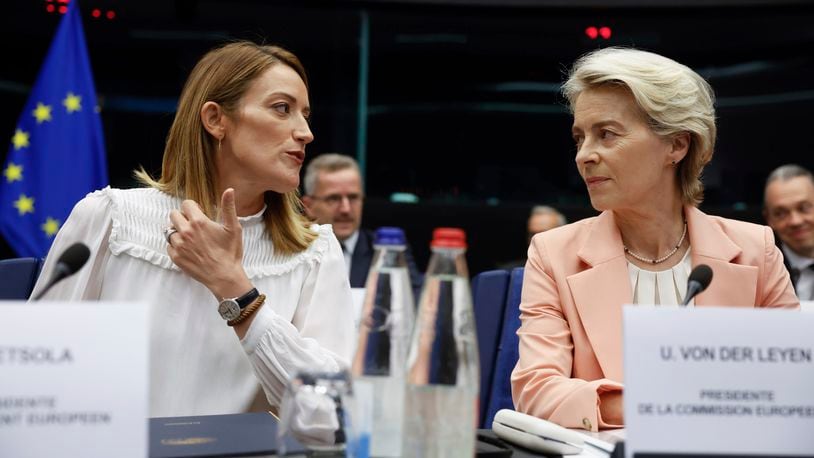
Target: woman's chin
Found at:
x=600, y=204
x=285, y=187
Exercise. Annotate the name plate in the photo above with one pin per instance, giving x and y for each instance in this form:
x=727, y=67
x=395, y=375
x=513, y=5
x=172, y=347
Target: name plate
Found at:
x=73, y=379
x=713, y=381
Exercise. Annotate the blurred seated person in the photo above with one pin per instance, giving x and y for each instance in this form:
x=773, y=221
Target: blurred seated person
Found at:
x=541, y=219
x=789, y=209
x=644, y=127
x=219, y=239
x=334, y=195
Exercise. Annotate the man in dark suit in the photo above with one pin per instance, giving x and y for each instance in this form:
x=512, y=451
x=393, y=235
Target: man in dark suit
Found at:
x=334, y=195
x=789, y=209
x=541, y=219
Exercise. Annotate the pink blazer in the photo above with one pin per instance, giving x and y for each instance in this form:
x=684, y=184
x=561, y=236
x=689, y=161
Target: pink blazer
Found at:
x=575, y=284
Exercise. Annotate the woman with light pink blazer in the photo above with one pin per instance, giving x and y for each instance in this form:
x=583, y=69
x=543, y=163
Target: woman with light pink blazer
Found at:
x=644, y=128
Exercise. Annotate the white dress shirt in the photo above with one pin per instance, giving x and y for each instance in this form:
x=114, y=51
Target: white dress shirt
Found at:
x=805, y=282
x=666, y=287
x=197, y=364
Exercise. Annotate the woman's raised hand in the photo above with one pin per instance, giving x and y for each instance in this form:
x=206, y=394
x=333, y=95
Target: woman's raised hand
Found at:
x=208, y=251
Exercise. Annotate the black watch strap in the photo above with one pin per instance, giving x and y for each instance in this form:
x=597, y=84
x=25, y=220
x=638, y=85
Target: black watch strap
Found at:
x=246, y=299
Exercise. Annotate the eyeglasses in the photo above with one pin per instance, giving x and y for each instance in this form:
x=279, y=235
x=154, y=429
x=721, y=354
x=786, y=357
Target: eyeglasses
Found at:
x=334, y=200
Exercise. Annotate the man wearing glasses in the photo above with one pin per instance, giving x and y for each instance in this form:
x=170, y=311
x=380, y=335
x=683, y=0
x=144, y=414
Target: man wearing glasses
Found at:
x=789, y=210
x=334, y=195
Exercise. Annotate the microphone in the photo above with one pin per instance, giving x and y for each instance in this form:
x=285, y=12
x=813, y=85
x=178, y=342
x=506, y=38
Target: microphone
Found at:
x=71, y=260
x=699, y=280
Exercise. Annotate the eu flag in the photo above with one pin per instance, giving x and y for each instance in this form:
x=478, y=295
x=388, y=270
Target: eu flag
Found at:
x=57, y=152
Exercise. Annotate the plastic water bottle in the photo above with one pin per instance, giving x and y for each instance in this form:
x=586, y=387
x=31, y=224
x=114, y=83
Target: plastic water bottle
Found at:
x=384, y=335
x=442, y=366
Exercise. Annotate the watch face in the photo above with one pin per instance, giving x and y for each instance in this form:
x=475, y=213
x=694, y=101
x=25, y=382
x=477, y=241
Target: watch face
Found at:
x=229, y=309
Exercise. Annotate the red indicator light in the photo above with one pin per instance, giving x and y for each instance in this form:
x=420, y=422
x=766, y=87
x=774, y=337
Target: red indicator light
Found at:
x=111, y=15
x=592, y=32
x=96, y=13
x=605, y=32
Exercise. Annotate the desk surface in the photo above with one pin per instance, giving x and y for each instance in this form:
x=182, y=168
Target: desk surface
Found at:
x=255, y=434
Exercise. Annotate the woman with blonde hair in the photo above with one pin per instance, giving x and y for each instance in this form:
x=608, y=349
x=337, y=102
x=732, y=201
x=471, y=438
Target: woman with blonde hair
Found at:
x=218, y=241
x=644, y=128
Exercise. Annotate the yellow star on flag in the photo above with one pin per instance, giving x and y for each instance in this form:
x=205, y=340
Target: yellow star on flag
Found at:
x=51, y=226
x=24, y=204
x=13, y=172
x=42, y=112
x=20, y=139
x=72, y=102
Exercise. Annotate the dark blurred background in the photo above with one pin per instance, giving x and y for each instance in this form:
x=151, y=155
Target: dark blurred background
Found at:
x=455, y=102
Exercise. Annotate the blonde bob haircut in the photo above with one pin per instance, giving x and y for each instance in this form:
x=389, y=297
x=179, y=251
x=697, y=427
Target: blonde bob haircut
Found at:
x=673, y=98
x=188, y=170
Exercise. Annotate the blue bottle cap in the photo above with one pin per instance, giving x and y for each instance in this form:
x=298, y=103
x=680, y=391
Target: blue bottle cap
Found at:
x=389, y=236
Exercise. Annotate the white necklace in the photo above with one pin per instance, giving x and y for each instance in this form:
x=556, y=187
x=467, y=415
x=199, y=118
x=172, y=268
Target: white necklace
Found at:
x=663, y=258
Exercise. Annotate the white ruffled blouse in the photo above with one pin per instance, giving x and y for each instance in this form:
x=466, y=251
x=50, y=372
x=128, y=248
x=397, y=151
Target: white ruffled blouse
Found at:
x=666, y=287
x=197, y=364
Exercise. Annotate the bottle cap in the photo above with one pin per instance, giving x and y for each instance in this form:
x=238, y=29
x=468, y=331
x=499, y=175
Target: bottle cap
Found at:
x=389, y=236
x=448, y=237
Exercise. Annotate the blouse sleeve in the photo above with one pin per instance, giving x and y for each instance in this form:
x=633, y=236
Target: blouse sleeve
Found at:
x=320, y=335
x=90, y=222
x=542, y=382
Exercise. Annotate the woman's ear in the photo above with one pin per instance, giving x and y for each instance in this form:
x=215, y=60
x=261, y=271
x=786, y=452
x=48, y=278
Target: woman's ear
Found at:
x=680, y=147
x=213, y=119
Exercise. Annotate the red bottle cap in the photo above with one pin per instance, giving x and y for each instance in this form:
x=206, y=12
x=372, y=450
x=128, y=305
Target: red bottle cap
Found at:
x=448, y=237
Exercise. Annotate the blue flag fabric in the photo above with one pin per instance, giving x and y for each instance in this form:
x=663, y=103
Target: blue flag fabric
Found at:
x=57, y=152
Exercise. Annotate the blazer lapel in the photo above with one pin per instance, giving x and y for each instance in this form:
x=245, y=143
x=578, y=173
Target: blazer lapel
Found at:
x=732, y=284
x=600, y=291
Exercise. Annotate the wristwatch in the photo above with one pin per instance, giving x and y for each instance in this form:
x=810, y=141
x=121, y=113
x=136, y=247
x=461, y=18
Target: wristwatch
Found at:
x=230, y=308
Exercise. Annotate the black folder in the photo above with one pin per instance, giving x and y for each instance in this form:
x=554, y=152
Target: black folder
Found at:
x=250, y=434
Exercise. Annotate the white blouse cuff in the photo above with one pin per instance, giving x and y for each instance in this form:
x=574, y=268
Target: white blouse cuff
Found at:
x=263, y=321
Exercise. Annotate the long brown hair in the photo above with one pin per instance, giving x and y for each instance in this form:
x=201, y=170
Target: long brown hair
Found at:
x=188, y=170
